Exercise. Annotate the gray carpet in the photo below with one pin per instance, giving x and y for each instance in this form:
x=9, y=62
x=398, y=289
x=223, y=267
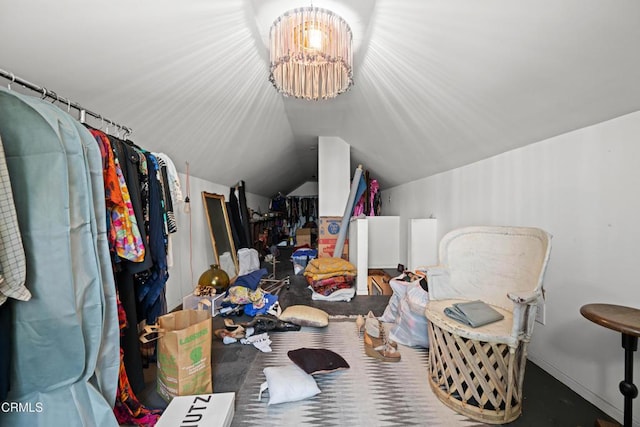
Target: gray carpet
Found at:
x=370, y=393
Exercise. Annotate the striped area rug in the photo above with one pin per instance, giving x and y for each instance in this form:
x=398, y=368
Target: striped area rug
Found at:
x=370, y=393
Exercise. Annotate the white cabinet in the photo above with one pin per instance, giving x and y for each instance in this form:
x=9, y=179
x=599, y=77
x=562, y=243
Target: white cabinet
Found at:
x=422, y=247
x=374, y=242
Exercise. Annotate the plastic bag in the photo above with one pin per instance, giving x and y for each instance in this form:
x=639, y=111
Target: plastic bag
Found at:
x=410, y=327
x=248, y=260
x=399, y=286
x=406, y=312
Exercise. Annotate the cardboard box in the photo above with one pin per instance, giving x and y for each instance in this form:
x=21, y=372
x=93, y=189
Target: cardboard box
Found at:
x=303, y=236
x=303, y=232
x=215, y=410
x=327, y=247
x=329, y=229
x=191, y=302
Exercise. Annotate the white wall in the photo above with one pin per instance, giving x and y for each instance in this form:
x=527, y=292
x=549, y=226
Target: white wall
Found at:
x=334, y=176
x=192, y=250
x=584, y=188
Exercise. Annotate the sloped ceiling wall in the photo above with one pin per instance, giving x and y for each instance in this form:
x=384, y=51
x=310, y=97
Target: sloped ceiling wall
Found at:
x=438, y=84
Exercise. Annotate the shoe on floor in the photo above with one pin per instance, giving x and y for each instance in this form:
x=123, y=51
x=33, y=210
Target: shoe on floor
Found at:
x=379, y=349
x=376, y=330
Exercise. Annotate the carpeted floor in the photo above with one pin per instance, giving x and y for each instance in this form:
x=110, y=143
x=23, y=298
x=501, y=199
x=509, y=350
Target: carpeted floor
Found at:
x=370, y=392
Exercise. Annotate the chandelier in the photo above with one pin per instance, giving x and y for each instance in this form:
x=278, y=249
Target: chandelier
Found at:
x=311, y=54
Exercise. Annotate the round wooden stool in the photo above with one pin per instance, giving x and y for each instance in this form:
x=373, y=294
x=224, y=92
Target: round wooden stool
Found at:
x=625, y=320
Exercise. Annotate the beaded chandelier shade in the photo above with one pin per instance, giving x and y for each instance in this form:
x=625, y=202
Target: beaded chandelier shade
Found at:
x=311, y=54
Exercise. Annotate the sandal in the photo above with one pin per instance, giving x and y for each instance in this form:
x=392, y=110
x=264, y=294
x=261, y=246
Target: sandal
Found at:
x=383, y=352
x=376, y=343
x=237, y=333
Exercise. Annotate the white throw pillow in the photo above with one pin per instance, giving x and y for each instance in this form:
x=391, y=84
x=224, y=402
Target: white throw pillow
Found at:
x=288, y=384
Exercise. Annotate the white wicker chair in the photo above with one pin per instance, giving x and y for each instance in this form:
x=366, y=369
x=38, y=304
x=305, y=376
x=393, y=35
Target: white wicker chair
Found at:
x=479, y=371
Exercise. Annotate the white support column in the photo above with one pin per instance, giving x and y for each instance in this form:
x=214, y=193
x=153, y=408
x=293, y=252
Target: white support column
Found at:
x=359, y=252
x=334, y=176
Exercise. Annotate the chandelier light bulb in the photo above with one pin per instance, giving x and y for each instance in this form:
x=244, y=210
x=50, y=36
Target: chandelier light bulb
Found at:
x=315, y=38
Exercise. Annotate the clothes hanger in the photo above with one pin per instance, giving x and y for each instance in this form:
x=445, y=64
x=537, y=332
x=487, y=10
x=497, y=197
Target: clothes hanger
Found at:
x=13, y=79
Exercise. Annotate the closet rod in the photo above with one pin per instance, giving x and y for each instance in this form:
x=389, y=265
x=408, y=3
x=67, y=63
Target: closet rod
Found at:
x=53, y=95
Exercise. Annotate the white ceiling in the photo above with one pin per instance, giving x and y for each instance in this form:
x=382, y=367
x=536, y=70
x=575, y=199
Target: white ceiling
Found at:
x=438, y=83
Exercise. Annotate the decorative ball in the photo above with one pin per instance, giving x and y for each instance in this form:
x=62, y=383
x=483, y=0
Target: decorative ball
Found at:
x=213, y=278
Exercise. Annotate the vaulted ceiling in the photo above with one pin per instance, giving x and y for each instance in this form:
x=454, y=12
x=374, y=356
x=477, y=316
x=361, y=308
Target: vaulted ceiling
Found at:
x=438, y=83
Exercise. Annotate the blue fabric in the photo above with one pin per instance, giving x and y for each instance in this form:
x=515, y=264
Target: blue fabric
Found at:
x=362, y=187
x=269, y=300
x=251, y=280
x=304, y=255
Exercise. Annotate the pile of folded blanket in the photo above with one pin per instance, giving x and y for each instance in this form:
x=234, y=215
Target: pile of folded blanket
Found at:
x=331, y=279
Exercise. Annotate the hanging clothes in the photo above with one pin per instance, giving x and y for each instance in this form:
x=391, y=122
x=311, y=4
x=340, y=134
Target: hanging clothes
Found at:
x=151, y=284
x=55, y=166
x=374, y=197
x=128, y=158
x=173, y=194
x=124, y=236
x=129, y=337
x=244, y=212
x=171, y=226
x=235, y=219
x=174, y=180
x=360, y=207
x=12, y=259
x=128, y=408
x=125, y=242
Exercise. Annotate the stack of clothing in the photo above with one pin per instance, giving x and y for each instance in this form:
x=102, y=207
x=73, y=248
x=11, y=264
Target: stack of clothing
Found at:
x=331, y=279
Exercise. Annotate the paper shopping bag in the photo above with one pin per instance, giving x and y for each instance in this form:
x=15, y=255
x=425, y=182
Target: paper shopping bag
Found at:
x=184, y=354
